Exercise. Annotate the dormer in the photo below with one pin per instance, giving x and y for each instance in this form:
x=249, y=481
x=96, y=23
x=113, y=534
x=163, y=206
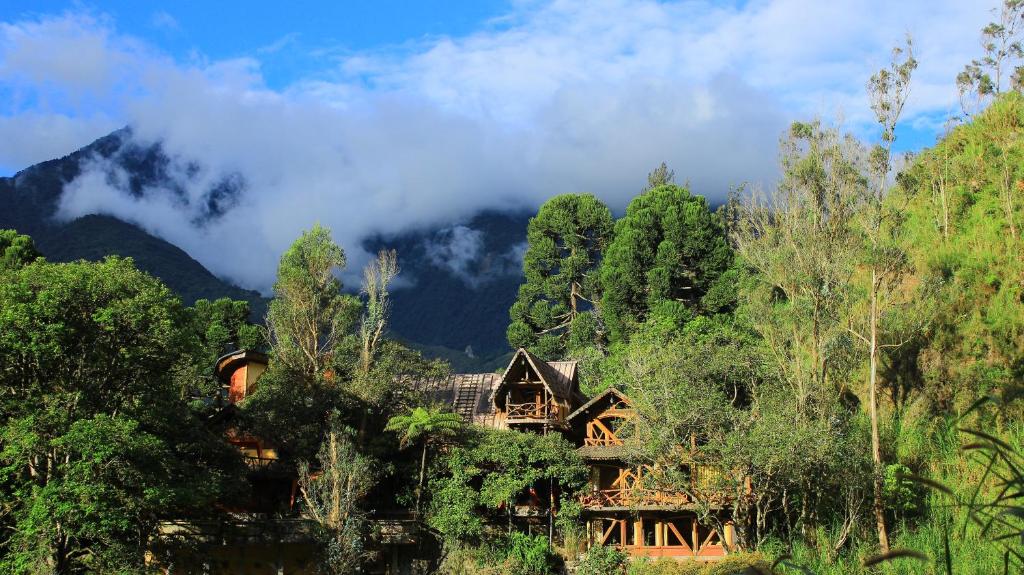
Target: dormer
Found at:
x=535, y=394
x=238, y=372
x=601, y=420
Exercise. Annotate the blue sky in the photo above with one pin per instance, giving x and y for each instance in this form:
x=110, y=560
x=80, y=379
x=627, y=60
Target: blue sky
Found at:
x=287, y=38
x=378, y=117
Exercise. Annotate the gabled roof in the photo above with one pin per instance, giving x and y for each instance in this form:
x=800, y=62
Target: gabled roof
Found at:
x=611, y=392
x=558, y=377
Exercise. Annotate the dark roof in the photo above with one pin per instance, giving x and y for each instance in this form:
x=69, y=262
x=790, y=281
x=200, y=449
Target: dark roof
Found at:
x=597, y=399
x=558, y=377
x=603, y=452
x=227, y=363
x=467, y=394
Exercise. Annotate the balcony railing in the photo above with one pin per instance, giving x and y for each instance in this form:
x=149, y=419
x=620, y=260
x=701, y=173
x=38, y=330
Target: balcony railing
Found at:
x=643, y=497
x=531, y=411
x=636, y=497
x=602, y=441
x=259, y=462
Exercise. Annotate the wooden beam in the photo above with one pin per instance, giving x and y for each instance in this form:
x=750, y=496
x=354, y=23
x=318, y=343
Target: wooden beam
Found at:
x=696, y=540
x=679, y=536
x=607, y=434
x=707, y=540
x=608, y=532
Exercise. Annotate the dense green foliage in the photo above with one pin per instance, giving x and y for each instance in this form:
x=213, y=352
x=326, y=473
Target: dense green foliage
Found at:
x=564, y=246
x=667, y=257
x=16, y=250
x=96, y=441
x=960, y=199
x=482, y=477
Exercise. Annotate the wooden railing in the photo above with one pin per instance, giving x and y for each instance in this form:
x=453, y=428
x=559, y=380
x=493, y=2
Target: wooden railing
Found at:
x=637, y=497
x=531, y=411
x=602, y=441
x=259, y=462
x=644, y=497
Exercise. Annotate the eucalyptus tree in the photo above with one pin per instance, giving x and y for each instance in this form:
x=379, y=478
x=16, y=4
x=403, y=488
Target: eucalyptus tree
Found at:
x=801, y=246
x=309, y=314
x=556, y=304
x=1001, y=41
x=333, y=489
x=885, y=261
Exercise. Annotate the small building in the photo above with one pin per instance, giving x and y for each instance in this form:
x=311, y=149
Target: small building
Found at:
x=263, y=534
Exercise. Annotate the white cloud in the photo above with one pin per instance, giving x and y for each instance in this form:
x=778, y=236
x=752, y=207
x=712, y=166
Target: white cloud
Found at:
x=162, y=19
x=32, y=137
x=552, y=98
x=457, y=249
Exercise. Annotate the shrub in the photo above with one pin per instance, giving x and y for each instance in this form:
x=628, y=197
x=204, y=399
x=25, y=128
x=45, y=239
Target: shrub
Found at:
x=602, y=560
x=665, y=566
x=736, y=564
x=529, y=555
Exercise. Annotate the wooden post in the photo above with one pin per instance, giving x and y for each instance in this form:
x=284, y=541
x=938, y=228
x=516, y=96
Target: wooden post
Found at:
x=659, y=534
x=729, y=536
x=638, y=532
x=696, y=540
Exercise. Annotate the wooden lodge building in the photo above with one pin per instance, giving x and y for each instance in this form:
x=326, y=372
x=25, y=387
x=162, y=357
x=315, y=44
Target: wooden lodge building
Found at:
x=622, y=507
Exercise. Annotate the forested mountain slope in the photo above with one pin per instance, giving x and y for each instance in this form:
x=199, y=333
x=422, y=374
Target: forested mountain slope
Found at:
x=29, y=201
x=963, y=203
x=457, y=280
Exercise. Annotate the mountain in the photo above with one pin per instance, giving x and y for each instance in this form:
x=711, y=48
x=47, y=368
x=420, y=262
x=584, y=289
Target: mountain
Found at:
x=29, y=201
x=452, y=300
x=459, y=282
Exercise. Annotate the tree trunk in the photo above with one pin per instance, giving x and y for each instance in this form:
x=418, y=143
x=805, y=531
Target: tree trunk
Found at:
x=945, y=206
x=423, y=473
x=876, y=449
x=1008, y=197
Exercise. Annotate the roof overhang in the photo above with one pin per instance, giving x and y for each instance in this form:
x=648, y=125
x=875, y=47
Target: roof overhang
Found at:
x=229, y=362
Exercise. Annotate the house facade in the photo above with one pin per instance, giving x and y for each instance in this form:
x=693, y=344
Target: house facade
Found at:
x=623, y=506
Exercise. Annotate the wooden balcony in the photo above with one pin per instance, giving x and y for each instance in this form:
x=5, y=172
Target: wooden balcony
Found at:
x=654, y=536
x=532, y=413
x=259, y=463
x=648, y=499
x=635, y=498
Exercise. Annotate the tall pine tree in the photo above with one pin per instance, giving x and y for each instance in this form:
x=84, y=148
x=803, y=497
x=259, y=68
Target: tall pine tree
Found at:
x=668, y=253
x=565, y=243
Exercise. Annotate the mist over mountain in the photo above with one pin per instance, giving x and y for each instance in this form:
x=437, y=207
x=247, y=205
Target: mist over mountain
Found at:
x=451, y=300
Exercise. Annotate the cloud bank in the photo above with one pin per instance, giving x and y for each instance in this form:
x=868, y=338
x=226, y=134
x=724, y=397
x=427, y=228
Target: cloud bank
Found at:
x=552, y=98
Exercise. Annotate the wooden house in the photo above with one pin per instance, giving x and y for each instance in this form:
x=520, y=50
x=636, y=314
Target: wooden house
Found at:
x=536, y=395
x=274, y=488
x=624, y=505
